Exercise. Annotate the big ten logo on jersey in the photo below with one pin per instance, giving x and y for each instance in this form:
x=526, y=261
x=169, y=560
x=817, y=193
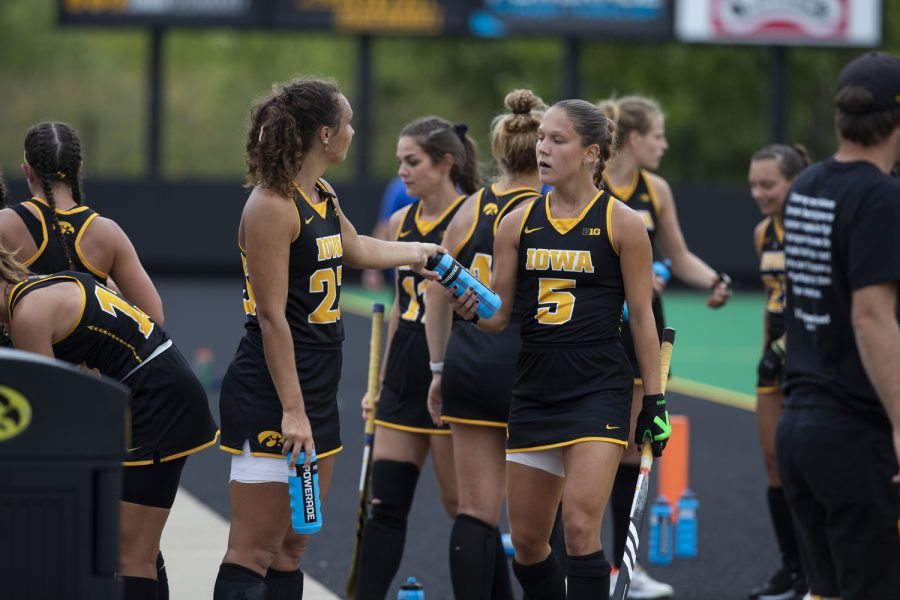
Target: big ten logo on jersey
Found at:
x=490, y=209
x=647, y=216
x=66, y=228
x=270, y=439
x=329, y=247
x=572, y=261
x=591, y=231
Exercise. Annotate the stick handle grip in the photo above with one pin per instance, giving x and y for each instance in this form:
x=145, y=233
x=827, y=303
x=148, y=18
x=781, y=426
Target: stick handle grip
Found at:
x=665, y=360
x=374, y=363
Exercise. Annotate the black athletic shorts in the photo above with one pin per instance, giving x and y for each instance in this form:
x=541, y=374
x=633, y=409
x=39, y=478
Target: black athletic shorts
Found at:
x=628, y=342
x=249, y=405
x=403, y=403
x=836, y=470
x=479, y=369
x=170, y=415
x=565, y=395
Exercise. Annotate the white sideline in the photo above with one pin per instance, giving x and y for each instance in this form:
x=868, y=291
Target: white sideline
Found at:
x=193, y=544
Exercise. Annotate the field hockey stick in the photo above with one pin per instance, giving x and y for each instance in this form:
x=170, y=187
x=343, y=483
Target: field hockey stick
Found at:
x=643, y=483
x=362, y=509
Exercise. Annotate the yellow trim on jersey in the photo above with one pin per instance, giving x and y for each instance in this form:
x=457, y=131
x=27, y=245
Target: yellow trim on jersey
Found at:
x=779, y=229
x=624, y=193
x=526, y=193
x=268, y=455
x=68, y=211
x=768, y=389
x=474, y=422
x=171, y=457
x=651, y=191
x=468, y=237
x=429, y=431
x=81, y=256
x=396, y=234
x=569, y=443
x=12, y=299
x=564, y=226
x=80, y=314
x=609, y=225
x=525, y=217
x=320, y=207
x=426, y=227
x=43, y=245
x=761, y=234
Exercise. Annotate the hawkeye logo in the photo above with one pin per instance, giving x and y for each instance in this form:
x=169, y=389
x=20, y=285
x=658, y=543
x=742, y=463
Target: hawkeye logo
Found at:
x=490, y=209
x=15, y=413
x=66, y=228
x=269, y=439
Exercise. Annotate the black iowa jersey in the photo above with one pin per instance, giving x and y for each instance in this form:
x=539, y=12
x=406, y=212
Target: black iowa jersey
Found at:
x=314, y=275
x=570, y=282
x=476, y=252
x=770, y=244
x=50, y=257
x=410, y=285
x=112, y=336
x=640, y=197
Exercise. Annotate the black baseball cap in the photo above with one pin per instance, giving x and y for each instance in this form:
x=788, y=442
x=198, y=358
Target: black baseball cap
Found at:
x=879, y=74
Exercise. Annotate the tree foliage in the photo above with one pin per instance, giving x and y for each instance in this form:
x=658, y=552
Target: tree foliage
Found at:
x=715, y=97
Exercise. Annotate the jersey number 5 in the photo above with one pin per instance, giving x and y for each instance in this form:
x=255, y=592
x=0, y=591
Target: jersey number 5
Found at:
x=112, y=304
x=561, y=303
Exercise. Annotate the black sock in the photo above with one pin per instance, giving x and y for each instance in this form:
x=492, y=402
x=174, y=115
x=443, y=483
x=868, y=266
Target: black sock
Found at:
x=472, y=555
x=235, y=582
x=138, y=588
x=162, y=590
x=543, y=580
x=588, y=577
x=784, y=529
x=284, y=585
x=393, y=486
x=620, y=500
x=501, y=587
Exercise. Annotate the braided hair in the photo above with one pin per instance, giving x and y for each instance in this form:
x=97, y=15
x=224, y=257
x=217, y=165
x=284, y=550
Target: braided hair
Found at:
x=53, y=151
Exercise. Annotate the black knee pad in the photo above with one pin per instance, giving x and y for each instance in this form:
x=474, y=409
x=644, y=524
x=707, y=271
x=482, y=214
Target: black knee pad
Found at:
x=393, y=486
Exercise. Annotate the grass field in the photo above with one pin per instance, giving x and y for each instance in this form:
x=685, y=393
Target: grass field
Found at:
x=717, y=350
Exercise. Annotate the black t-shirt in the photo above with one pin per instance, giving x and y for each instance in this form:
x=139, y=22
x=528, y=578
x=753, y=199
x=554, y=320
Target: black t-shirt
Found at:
x=841, y=234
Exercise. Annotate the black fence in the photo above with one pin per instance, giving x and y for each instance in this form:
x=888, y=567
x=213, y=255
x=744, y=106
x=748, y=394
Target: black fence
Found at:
x=190, y=227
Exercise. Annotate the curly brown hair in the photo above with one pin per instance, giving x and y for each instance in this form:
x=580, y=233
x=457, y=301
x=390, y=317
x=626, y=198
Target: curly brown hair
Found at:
x=283, y=126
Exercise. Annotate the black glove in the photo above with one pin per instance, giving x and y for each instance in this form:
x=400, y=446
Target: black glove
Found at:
x=653, y=422
x=772, y=362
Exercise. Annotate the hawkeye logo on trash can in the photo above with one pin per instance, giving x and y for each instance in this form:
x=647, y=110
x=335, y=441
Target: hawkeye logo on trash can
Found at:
x=15, y=413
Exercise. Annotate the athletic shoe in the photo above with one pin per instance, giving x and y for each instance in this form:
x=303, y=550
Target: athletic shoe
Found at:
x=784, y=585
x=643, y=587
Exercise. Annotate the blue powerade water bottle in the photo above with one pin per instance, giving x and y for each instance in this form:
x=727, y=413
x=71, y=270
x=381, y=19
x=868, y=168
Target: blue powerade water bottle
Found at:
x=456, y=277
x=660, y=532
x=662, y=270
x=686, y=528
x=411, y=590
x=306, y=511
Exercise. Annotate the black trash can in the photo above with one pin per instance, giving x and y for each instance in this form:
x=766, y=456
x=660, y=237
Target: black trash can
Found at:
x=62, y=440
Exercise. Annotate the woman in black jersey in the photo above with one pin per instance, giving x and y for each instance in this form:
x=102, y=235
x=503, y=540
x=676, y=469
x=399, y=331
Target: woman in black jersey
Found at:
x=572, y=258
x=640, y=145
x=279, y=394
x=772, y=171
x=70, y=316
x=472, y=374
x=437, y=161
x=56, y=231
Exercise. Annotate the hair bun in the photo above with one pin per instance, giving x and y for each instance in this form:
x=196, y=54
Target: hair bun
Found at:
x=522, y=102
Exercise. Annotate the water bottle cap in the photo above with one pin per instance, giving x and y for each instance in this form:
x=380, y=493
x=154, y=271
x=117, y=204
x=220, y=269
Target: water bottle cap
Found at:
x=410, y=580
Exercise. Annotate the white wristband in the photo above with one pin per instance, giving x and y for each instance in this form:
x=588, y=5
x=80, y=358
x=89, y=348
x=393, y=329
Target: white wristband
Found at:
x=436, y=367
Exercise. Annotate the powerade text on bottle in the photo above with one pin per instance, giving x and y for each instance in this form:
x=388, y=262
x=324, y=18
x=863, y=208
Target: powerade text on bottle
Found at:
x=455, y=276
x=411, y=590
x=686, y=528
x=306, y=511
x=660, y=550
